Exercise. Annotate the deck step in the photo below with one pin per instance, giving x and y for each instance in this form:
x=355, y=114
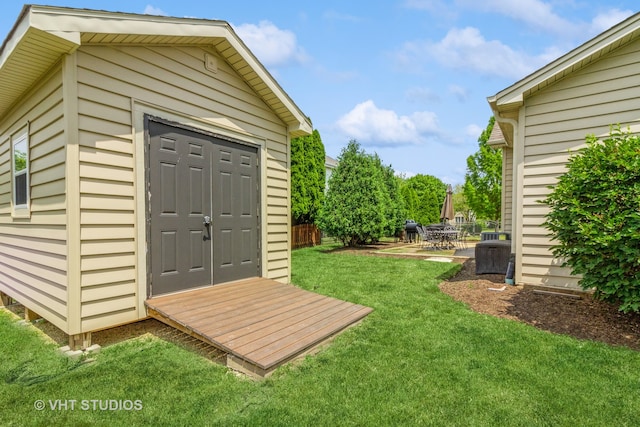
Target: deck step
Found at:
x=260, y=323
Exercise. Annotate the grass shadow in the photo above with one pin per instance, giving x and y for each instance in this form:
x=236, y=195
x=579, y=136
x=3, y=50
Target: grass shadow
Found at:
x=131, y=331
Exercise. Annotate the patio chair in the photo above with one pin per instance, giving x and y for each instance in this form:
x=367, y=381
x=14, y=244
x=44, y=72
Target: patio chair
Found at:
x=432, y=238
x=462, y=239
x=422, y=235
x=450, y=237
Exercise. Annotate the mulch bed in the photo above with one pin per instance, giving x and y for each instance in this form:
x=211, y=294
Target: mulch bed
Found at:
x=583, y=318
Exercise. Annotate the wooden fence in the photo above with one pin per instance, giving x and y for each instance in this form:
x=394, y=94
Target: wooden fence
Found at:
x=304, y=235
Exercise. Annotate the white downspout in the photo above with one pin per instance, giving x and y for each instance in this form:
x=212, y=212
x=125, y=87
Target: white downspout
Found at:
x=516, y=193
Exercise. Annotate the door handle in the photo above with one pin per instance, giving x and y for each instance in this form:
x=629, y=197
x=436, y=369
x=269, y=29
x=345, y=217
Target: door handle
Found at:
x=207, y=223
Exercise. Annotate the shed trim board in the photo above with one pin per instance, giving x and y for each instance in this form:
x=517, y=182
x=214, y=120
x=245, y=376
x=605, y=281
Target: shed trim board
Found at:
x=72, y=182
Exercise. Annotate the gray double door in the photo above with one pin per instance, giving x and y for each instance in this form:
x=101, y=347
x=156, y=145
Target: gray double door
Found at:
x=203, y=209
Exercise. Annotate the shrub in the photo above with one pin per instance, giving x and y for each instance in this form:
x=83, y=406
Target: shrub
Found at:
x=357, y=207
x=425, y=193
x=595, y=218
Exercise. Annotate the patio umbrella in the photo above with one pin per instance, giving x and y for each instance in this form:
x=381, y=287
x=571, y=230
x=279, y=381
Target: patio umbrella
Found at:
x=447, y=206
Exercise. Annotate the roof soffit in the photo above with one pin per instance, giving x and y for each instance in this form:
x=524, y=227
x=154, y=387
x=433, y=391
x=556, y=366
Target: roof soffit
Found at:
x=24, y=61
x=43, y=34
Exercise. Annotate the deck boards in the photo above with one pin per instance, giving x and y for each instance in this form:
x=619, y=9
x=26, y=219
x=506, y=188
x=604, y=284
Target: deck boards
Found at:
x=259, y=322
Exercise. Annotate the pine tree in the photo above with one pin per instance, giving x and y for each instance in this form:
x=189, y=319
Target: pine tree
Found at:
x=356, y=204
x=307, y=177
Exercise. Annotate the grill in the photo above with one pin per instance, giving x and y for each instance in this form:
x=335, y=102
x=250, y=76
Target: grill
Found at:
x=411, y=230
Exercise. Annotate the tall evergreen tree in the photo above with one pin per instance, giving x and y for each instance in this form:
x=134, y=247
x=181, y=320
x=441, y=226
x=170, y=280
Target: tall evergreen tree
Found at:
x=356, y=204
x=410, y=197
x=429, y=193
x=307, y=177
x=395, y=211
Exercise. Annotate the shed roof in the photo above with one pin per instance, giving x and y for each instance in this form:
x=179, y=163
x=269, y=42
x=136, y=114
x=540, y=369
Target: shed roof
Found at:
x=511, y=98
x=42, y=34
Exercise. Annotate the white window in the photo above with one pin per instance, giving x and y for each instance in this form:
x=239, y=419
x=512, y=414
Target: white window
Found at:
x=20, y=166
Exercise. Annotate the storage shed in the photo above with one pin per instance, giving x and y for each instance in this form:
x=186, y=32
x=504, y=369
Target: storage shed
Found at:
x=542, y=118
x=139, y=156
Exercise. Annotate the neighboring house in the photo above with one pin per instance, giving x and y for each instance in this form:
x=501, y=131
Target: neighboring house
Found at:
x=144, y=136
x=544, y=116
x=329, y=165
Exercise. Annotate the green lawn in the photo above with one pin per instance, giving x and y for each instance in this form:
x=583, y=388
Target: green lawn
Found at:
x=419, y=359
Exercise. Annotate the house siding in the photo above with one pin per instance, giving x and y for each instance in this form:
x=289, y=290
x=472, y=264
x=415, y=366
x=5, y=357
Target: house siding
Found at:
x=110, y=80
x=33, y=251
x=507, y=189
x=557, y=120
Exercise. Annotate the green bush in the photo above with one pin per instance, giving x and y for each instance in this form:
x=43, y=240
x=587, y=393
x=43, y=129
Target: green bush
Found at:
x=595, y=218
x=424, y=195
x=358, y=206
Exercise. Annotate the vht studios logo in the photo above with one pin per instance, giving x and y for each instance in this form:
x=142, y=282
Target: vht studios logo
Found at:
x=88, y=405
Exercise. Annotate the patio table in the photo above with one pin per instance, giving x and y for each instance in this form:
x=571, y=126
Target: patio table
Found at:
x=449, y=237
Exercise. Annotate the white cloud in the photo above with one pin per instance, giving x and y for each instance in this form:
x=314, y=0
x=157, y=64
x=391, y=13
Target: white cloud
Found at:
x=540, y=15
x=151, y=10
x=535, y=13
x=606, y=20
x=271, y=45
x=466, y=48
x=371, y=125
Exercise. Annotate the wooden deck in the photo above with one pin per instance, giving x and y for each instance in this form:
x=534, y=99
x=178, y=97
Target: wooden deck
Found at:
x=260, y=323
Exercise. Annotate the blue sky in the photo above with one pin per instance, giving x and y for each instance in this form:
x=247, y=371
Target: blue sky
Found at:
x=408, y=79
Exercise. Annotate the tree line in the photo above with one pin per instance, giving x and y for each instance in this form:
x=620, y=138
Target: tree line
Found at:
x=364, y=200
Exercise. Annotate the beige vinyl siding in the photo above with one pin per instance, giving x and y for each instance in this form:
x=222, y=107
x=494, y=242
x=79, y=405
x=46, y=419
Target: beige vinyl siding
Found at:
x=557, y=122
x=175, y=79
x=507, y=189
x=33, y=251
x=107, y=206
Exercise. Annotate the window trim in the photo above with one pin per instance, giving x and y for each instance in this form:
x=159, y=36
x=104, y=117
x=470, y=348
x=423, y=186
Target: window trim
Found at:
x=22, y=210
